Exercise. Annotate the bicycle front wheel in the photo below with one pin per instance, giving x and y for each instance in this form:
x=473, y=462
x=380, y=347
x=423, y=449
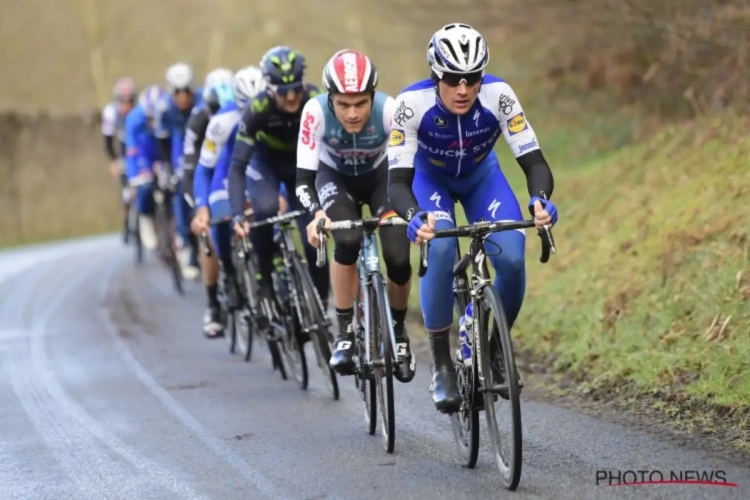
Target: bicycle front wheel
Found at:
x=166, y=231
x=314, y=319
x=498, y=367
x=383, y=368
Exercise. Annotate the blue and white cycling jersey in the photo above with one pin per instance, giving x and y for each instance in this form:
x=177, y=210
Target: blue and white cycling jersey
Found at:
x=173, y=123
x=451, y=158
x=140, y=146
x=210, y=185
x=323, y=139
x=426, y=135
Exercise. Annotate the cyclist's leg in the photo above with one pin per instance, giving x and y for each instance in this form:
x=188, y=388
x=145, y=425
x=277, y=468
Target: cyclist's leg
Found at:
x=320, y=276
x=181, y=211
x=395, y=246
x=340, y=202
x=436, y=288
x=492, y=198
x=144, y=199
x=263, y=190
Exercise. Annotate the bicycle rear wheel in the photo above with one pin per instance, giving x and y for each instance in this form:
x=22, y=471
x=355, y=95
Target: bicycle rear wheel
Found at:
x=384, y=367
x=314, y=316
x=166, y=231
x=135, y=232
x=491, y=311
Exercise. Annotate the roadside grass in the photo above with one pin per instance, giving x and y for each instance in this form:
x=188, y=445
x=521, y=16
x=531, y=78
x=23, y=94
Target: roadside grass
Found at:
x=650, y=291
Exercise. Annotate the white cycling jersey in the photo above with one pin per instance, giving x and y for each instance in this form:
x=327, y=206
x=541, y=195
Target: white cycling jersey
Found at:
x=218, y=132
x=113, y=124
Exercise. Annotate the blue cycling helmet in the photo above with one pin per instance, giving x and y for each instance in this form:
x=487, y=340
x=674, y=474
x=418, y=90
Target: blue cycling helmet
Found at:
x=283, y=68
x=152, y=100
x=218, y=95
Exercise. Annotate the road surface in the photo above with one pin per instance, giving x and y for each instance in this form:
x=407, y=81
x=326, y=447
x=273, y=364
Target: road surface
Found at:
x=108, y=390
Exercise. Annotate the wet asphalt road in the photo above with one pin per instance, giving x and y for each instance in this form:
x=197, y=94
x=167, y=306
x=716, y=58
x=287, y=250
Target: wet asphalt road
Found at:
x=108, y=390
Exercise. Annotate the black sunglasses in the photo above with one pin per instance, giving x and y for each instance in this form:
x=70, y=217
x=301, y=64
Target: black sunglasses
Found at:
x=454, y=80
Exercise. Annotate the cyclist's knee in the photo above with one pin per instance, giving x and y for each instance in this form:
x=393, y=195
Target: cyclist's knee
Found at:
x=397, y=264
x=265, y=205
x=442, y=253
x=347, y=247
x=510, y=262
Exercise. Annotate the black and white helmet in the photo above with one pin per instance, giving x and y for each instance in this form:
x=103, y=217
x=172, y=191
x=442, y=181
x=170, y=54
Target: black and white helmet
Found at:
x=179, y=76
x=458, y=49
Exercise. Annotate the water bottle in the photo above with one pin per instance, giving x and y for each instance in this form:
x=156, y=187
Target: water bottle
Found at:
x=464, y=333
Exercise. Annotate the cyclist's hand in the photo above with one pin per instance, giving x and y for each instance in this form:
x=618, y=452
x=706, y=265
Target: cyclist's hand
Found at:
x=115, y=168
x=312, y=229
x=200, y=221
x=421, y=227
x=544, y=212
x=241, y=227
x=283, y=205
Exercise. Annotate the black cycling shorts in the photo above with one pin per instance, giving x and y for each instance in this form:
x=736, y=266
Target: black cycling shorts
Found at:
x=342, y=196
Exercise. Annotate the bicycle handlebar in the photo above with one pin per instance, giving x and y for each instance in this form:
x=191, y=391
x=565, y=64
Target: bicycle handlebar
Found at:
x=371, y=223
x=278, y=218
x=483, y=228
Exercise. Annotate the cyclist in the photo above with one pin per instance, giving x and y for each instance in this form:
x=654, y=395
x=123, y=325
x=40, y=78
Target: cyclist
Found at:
x=113, y=130
x=171, y=133
x=142, y=154
x=441, y=149
x=341, y=164
x=194, y=137
x=195, y=131
x=211, y=186
x=267, y=139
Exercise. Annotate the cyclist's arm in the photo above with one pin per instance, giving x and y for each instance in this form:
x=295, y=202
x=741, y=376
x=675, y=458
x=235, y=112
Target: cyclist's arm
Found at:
x=389, y=108
x=521, y=139
x=311, y=133
x=164, y=124
x=109, y=130
x=402, y=148
x=244, y=147
x=194, y=134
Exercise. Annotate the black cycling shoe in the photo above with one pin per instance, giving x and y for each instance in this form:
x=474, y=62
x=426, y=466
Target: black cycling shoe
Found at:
x=212, y=326
x=444, y=387
x=407, y=362
x=342, y=359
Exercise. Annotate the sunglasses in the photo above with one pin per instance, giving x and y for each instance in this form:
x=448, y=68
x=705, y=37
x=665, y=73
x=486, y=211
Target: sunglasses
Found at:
x=454, y=80
x=285, y=90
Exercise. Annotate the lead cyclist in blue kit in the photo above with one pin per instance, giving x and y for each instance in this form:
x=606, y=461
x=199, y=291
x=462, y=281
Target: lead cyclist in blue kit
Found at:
x=441, y=150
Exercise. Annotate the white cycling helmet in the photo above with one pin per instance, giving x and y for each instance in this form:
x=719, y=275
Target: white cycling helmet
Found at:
x=218, y=76
x=179, y=76
x=248, y=82
x=458, y=49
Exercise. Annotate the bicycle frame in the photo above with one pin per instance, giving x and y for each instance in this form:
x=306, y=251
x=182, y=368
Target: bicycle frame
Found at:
x=368, y=268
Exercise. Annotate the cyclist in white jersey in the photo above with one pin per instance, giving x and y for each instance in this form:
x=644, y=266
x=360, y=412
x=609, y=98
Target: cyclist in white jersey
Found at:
x=341, y=164
x=113, y=131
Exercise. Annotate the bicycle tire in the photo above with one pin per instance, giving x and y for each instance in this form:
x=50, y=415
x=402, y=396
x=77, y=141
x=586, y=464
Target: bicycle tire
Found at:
x=320, y=337
x=135, y=232
x=382, y=339
x=165, y=231
x=294, y=349
x=365, y=384
x=509, y=467
x=248, y=291
x=465, y=422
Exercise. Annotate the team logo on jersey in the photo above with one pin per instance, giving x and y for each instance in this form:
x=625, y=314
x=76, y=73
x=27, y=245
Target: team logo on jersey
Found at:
x=210, y=145
x=397, y=138
x=441, y=122
x=437, y=163
x=517, y=124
